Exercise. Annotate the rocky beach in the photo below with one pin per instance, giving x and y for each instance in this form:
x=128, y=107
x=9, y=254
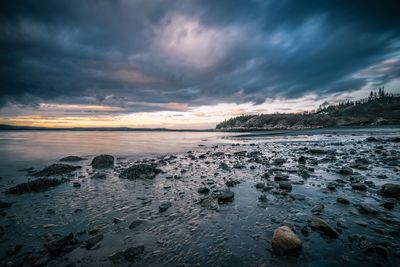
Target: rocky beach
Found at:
x=326, y=198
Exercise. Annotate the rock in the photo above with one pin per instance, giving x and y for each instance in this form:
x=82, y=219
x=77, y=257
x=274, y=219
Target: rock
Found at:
x=323, y=227
x=367, y=209
x=103, y=161
x=164, y=206
x=359, y=186
x=76, y=184
x=4, y=205
x=331, y=186
x=98, y=175
x=56, y=169
x=391, y=190
x=263, y=198
x=278, y=161
x=63, y=246
x=136, y=223
x=281, y=177
x=285, y=242
x=297, y=196
x=225, y=196
x=72, y=158
x=203, y=190
x=259, y=185
x=140, y=171
x=302, y=160
x=285, y=185
x=128, y=254
x=231, y=183
x=388, y=204
x=318, y=208
x=371, y=139
x=132, y=252
x=342, y=200
x=361, y=223
x=117, y=220
x=345, y=170
x=42, y=261
x=38, y=185
x=91, y=242
x=376, y=249
x=224, y=166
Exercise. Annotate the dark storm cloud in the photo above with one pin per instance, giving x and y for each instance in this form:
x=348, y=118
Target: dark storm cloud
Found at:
x=121, y=53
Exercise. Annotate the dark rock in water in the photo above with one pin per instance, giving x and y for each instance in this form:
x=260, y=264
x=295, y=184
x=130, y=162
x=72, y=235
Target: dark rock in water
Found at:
x=368, y=209
x=56, y=169
x=391, y=190
x=72, y=158
x=225, y=196
x=372, y=139
x=361, y=223
x=63, y=246
x=132, y=252
x=4, y=205
x=164, y=206
x=376, y=249
x=91, y=242
x=281, y=177
x=98, y=175
x=38, y=185
x=318, y=208
x=103, y=161
x=286, y=242
x=259, y=185
x=359, y=186
x=318, y=151
x=285, y=185
x=76, y=184
x=302, y=160
x=136, y=223
x=263, y=198
x=278, y=161
x=203, y=190
x=128, y=254
x=224, y=166
x=297, y=196
x=388, y=204
x=342, y=200
x=345, y=170
x=323, y=227
x=140, y=171
x=231, y=183
x=331, y=186
x=117, y=220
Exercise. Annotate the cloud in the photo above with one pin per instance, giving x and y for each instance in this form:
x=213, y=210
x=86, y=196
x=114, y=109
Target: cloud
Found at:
x=143, y=56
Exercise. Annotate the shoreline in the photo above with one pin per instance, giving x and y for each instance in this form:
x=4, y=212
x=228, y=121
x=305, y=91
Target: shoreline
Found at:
x=229, y=198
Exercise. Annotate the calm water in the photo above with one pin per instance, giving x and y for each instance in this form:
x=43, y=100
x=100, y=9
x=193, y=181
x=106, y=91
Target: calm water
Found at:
x=23, y=149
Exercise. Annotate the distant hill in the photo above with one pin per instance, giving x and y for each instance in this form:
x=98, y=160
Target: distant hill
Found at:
x=375, y=110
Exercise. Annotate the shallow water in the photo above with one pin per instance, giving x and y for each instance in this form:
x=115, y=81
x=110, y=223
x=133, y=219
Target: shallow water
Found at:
x=236, y=234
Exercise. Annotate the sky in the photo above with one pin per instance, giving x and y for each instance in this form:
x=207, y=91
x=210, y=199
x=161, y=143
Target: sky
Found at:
x=189, y=64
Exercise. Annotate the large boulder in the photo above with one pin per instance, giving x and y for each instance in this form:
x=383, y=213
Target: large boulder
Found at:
x=103, y=161
x=38, y=185
x=140, y=171
x=56, y=169
x=285, y=242
x=391, y=190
